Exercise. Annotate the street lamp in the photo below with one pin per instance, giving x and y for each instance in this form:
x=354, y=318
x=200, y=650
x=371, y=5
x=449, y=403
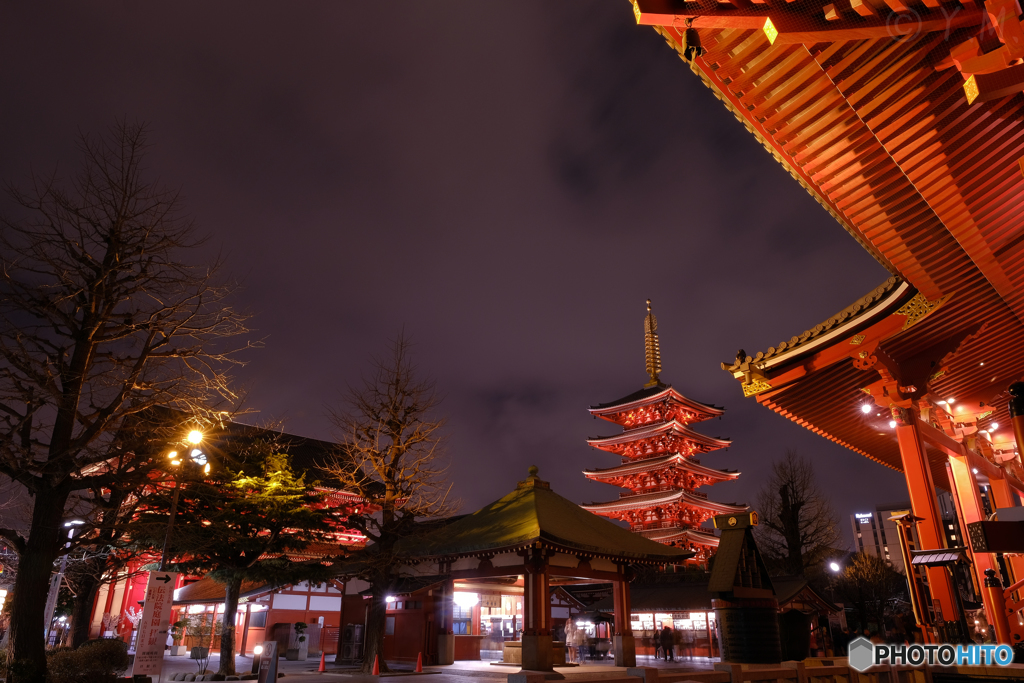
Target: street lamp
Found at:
x=257, y=653
x=195, y=437
x=834, y=566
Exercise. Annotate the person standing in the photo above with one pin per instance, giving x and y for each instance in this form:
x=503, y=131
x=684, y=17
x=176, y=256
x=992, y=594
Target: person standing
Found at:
x=666, y=644
x=570, y=641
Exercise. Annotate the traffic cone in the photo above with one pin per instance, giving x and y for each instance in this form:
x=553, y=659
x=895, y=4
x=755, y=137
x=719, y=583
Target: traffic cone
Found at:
x=323, y=663
x=419, y=663
x=376, y=666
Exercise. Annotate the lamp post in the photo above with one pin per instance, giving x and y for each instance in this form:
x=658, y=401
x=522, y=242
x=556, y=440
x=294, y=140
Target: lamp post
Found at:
x=835, y=568
x=195, y=437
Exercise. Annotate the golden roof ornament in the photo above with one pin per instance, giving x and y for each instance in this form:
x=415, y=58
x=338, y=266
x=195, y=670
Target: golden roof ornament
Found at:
x=653, y=348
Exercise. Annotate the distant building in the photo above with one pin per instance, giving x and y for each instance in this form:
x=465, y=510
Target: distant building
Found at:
x=875, y=534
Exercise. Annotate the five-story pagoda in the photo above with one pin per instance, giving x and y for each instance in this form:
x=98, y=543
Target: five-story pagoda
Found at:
x=659, y=464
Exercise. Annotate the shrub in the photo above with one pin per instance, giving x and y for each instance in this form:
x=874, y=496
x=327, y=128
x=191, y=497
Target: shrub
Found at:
x=98, y=661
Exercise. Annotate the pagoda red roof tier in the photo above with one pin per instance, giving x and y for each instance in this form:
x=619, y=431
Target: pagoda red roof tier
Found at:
x=646, y=501
x=660, y=403
x=675, y=470
x=682, y=536
x=659, y=439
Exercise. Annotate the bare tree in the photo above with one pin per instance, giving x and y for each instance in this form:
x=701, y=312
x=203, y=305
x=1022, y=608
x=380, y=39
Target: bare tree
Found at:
x=799, y=528
x=391, y=455
x=100, y=320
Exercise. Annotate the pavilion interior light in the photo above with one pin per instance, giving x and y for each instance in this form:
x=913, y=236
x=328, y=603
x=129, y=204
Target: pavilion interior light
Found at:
x=866, y=408
x=892, y=424
x=994, y=425
x=465, y=600
x=950, y=401
x=974, y=469
x=941, y=403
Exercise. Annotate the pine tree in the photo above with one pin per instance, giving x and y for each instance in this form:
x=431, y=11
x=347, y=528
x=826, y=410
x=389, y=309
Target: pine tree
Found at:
x=241, y=523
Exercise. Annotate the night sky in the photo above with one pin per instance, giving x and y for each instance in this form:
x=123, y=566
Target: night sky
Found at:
x=507, y=180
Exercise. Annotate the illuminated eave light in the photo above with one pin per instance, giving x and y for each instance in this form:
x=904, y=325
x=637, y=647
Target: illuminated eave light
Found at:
x=994, y=425
x=941, y=403
x=974, y=469
x=892, y=424
x=866, y=408
x=950, y=401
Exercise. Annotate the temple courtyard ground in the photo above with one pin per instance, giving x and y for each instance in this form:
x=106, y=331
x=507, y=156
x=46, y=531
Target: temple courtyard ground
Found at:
x=452, y=673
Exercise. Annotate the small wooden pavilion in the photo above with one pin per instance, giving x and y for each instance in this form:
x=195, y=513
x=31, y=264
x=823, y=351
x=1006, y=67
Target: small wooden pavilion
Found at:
x=535, y=536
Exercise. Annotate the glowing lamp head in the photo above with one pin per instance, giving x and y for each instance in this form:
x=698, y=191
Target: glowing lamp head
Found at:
x=195, y=437
x=994, y=425
x=974, y=469
x=834, y=566
x=173, y=455
x=892, y=424
x=258, y=650
x=866, y=408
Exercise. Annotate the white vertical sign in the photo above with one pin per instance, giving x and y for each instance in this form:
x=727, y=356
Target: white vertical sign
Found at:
x=151, y=639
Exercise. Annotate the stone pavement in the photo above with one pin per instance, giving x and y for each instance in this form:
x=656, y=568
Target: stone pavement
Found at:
x=452, y=673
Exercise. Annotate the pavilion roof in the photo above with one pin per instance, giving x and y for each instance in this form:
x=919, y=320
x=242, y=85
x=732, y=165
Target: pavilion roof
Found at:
x=660, y=463
x=533, y=513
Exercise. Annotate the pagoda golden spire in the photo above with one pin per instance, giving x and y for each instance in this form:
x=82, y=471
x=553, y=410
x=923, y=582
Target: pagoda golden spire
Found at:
x=653, y=348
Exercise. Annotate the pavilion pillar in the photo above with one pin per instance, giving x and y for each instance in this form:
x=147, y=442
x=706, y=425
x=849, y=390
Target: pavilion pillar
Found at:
x=924, y=505
x=969, y=508
x=537, y=651
x=445, y=602
x=1002, y=497
x=625, y=644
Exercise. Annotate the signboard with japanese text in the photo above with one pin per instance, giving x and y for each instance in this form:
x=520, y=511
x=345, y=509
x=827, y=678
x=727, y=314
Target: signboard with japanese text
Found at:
x=268, y=662
x=151, y=640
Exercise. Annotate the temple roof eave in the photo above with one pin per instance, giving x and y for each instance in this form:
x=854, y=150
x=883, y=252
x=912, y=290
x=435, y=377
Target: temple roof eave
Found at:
x=877, y=304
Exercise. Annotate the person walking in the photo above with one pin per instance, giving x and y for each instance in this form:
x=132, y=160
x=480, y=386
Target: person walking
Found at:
x=581, y=643
x=666, y=644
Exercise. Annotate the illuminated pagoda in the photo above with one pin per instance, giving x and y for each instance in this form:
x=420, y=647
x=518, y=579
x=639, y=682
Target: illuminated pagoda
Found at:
x=660, y=467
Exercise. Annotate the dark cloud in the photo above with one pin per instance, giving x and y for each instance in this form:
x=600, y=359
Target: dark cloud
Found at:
x=508, y=181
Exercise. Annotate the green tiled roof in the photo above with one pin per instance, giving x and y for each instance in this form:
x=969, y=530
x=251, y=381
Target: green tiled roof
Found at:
x=531, y=513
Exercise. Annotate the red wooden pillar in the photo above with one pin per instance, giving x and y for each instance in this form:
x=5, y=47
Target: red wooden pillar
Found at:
x=969, y=508
x=445, y=619
x=625, y=644
x=925, y=505
x=537, y=652
x=1002, y=497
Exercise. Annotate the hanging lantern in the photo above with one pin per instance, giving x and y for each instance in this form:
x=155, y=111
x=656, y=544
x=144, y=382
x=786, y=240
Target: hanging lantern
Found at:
x=691, y=44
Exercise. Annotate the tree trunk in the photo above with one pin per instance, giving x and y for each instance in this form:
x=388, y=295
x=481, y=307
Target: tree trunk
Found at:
x=81, y=612
x=27, y=654
x=227, y=636
x=375, y=623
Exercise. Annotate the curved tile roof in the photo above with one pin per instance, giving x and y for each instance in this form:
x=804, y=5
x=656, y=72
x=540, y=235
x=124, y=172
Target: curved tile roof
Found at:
x=849, y=314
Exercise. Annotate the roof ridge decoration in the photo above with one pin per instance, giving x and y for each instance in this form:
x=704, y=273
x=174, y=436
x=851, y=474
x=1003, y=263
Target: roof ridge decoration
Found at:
x=652, y=348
